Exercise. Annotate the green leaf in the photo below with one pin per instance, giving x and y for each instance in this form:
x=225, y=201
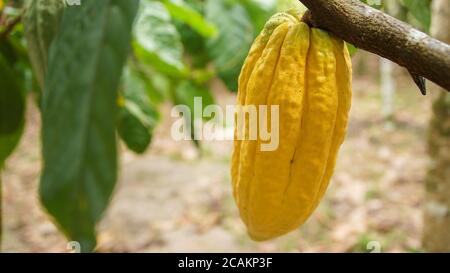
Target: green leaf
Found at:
x=421, y=10
x=138, y=116
x=259, y=11
x=157, y=40
x=136, y=136
x=187, y=91
x=185, y=94
x=158, y=86
x=8, y=50
x=8, y=143
x=12, y=108
x=16, y=54
x=194, y=45
x=79, y=114
x=236, y=33
x=156, y=83
x=181, y=11
x=12, y=102
x=41, y=24
x=351, y=49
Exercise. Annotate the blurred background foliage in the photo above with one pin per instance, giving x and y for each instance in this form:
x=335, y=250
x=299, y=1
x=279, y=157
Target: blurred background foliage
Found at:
x=180, y=49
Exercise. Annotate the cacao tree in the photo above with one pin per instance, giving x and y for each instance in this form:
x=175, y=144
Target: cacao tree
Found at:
x=135, y=55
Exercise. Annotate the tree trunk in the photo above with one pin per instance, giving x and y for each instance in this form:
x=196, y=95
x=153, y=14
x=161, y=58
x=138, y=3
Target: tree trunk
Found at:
x=436, y=235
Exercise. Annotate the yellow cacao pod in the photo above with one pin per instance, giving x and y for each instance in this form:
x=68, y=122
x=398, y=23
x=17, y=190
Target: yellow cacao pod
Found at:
x=307, y=73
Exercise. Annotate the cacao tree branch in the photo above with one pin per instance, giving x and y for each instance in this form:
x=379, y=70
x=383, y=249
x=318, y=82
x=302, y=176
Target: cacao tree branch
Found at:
x=379, y=33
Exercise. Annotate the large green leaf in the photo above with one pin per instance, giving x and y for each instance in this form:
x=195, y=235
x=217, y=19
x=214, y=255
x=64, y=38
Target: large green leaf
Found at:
x=12, y=107
x=236, y=33
x=79, y=114
x=41, y=23
x=157, y=40
x=181, y=11
x=138, y=116
x=421, y=10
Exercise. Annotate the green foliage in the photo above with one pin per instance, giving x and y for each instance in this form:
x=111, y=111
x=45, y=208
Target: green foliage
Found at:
x=259, y=11
x=157, y=41
x=41, y=23
x=352, y=49
x=185, y=94
x=421, y=11
x=374, y=3
x=181, y=11
x=12, y=108
x=78, y=115
x=178, y=46
x=229, y=49
x=12, y=102
x=138, y=116
x=187, y=91
x=8, y=143
x=14, y=67
x=194, y=43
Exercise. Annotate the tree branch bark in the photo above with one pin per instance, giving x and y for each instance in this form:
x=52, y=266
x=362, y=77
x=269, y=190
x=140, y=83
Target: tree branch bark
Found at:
x=379, y=33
